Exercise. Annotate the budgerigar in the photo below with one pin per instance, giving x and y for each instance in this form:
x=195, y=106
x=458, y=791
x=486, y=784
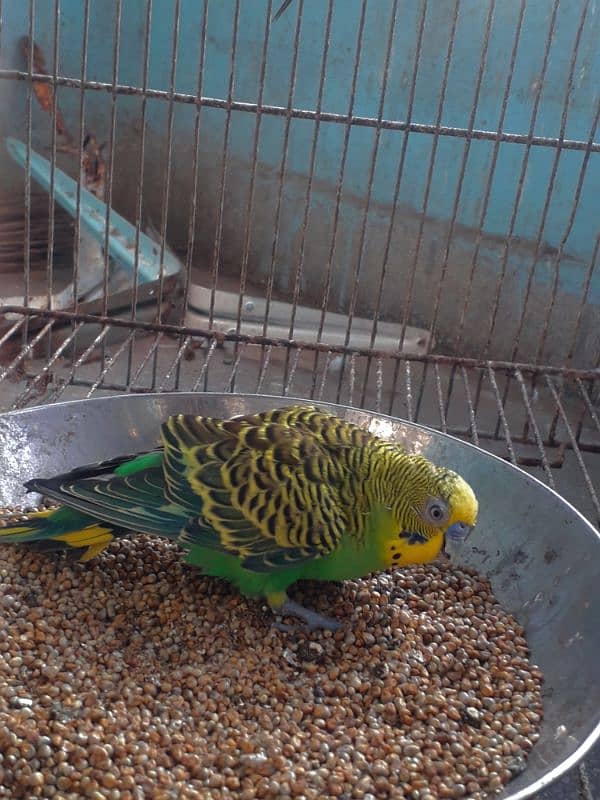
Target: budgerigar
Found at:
x=263, y=500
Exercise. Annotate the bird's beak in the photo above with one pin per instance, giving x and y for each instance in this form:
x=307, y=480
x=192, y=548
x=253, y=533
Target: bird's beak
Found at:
x=459, y=532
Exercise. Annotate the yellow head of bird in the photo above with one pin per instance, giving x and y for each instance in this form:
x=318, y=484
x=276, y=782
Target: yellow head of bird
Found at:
x=428, y=504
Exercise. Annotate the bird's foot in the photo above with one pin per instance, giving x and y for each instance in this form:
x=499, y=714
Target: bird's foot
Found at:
x=312, y=620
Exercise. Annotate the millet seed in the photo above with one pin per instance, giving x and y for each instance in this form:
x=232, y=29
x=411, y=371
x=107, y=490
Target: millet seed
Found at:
x=133, y=675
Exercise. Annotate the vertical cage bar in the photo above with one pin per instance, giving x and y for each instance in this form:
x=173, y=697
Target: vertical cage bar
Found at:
x=589, y=406
x=490, y=178
x=30, y=388
x=367, y=205
x=255, y=151
x=324, y=375
x=11, y=331
x=575, y=206
x=399, y=174
x=379, y=385
x=191, y=237
x=229, y=386
x=25, y=351
x=555, y=420
x=471, y=410
x=108, y=363
x=570, y=221
x=28, y=126
x=536, y=431
x=501, y=414
x=140, y=183
x=167, y=179
x=202, y=374
x=81, y=137
x=281, y=9
x=555, y=278
x=251, y=190
x=430, y=169
x=408, y=385
x=352, y=381
x=521, y=182
x=50, y=254
x=110, y=171
x=440, y=398
x=485, y=201
x=264, y=366
x=223, y=178
x=289, y=378
x=183, y=342
x=224, y=164
x=428, y=181
x=338, y=198
x=59, y=390
x=146, y=359
x=395, y=379
x=169, y=156
x=111, y=155
x=584, y=298
x=282, y=172
x=576, y=450
x=519, y=193
x=458, y=193
x=580, y=311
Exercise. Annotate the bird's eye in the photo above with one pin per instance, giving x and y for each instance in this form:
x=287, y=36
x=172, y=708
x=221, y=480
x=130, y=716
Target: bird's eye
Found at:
x=436, y=512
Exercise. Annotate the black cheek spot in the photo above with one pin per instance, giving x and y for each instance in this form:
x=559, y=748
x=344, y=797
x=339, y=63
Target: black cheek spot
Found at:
x=396, y=556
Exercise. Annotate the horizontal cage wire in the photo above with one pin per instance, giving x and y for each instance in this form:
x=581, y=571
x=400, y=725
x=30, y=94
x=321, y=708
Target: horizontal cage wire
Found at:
x=390, y=205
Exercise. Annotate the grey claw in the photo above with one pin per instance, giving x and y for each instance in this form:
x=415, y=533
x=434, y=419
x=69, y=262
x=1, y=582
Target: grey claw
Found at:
x=324, y=624
x=284, y=627
x=313, y=621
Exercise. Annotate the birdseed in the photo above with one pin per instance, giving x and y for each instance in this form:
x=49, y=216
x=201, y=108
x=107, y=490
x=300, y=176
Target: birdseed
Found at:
x=134, y=676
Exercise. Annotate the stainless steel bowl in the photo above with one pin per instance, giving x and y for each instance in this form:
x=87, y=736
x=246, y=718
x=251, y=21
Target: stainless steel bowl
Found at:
x=541, y=555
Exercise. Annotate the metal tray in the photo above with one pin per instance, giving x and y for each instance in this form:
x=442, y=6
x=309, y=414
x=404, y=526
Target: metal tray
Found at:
x=540, y=554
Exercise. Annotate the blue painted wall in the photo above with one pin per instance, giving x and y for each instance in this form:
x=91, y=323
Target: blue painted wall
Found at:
x=555, y=225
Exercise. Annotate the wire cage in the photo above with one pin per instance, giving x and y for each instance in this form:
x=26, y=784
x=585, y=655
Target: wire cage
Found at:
x=391, y=205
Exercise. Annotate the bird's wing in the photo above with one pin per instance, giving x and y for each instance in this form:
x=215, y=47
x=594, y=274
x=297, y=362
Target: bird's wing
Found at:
x=332, y=432
x=268, y=491
x=118, y=492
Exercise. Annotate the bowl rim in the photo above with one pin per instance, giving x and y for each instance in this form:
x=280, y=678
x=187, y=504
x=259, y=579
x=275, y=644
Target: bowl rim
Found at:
x=586, y=745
